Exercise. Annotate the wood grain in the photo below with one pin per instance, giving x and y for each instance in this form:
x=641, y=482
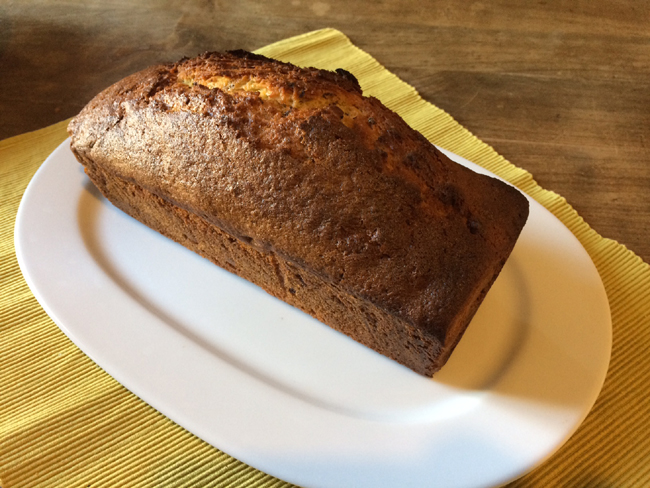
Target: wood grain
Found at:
x=561, y=89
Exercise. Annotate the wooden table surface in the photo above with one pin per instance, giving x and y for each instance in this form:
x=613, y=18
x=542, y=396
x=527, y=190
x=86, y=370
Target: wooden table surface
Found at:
x=561, y=89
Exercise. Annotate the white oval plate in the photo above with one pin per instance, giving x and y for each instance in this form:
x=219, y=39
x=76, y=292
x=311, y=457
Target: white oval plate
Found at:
x=282, y=392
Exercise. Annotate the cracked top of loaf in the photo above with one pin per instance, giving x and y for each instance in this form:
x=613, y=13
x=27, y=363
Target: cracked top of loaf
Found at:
x=298, y=162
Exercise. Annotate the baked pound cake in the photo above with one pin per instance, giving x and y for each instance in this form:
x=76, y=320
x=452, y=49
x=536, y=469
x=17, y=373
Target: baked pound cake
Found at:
x=295, y=181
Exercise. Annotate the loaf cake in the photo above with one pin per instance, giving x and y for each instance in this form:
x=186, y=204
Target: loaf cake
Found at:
x=292, y=179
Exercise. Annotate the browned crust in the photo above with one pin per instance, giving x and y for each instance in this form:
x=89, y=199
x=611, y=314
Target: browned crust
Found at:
x=297, y=164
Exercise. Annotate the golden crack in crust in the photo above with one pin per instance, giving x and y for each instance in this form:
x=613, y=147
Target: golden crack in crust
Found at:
x=309, y=92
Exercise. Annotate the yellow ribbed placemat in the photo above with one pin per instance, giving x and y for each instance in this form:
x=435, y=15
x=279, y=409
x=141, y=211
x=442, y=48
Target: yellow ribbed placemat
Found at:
x=64, y=422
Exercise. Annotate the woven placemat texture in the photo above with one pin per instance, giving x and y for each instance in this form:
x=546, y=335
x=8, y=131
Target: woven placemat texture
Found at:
x=64, y=422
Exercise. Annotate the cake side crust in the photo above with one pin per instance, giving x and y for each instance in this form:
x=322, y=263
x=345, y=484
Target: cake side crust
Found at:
x=299, y=287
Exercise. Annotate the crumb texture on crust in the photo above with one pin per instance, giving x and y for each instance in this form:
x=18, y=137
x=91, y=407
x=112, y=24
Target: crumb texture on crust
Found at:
x=298, y=164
